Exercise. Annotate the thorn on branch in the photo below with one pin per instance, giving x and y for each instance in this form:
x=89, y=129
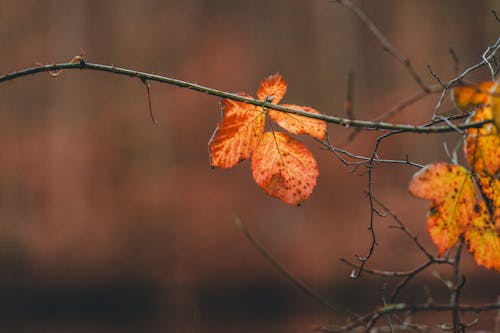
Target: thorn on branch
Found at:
x=76, y=60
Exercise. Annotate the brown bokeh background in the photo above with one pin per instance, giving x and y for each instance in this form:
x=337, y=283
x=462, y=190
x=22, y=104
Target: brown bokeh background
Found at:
x=109, y=223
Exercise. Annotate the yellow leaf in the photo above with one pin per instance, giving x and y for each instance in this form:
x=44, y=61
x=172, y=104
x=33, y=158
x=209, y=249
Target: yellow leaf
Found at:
x=483, y=239
x=469, y=97
x=452, y=191
x=482, y=145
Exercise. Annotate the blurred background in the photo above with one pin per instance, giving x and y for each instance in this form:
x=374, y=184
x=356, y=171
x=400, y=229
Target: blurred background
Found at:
x=109, y=223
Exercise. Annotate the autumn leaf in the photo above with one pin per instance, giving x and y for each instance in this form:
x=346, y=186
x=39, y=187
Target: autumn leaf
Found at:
x=281, y=165
x=299, y=124
x=452, y=191
x=483, y=239
x=237, y=134
x=272, y=89
x=469, y=97
x=482, y=145
x=284, y=168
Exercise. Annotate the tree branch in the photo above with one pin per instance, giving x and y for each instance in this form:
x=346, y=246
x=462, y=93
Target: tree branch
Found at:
x=376, y=125
x=404, y=307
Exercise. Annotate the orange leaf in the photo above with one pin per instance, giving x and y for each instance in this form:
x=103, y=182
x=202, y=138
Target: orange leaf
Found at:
x=482, y=145
x=272, y=89
x=451, y=189
x=468, y=97
x=299, y=124
x=284, y=168
x=237, y=134
x=483, y=239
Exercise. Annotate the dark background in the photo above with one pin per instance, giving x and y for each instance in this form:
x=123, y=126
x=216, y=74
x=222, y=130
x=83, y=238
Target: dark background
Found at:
x=111, y=224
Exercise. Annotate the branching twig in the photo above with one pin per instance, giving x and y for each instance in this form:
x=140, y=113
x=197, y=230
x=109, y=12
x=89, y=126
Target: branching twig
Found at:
x=486, y=57
x=364, y=320
x=373, y=210
x=362, y=160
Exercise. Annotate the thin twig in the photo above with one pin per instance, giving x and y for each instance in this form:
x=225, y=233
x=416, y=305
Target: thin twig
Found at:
x=349, y=102
x=407, y=102
x=457, y=286
x=361, y=160
x=436, y=76
x=289, y=276
x=373, y=211
x=495, y=14
x=405, y=229
x=454, y=57
x=386, y=44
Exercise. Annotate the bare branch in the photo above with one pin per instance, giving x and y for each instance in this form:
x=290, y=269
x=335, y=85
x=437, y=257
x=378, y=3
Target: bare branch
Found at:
x=210, y=91
x=386, y=44
x=365, y=320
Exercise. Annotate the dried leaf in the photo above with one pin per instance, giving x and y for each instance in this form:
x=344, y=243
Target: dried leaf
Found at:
x=272, y=89
x=299, y=124
x=483, y=239
x=452, y=191
x=284, y=168
x=236, y=135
